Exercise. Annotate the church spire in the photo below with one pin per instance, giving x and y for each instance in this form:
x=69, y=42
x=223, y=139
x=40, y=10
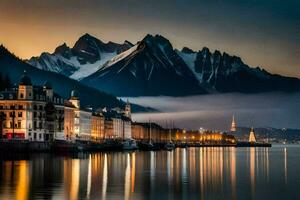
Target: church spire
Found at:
x=128, y=109
x=233, y=125
x=252, y=138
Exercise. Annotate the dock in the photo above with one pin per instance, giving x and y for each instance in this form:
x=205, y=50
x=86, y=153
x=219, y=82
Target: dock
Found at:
x=19, y=146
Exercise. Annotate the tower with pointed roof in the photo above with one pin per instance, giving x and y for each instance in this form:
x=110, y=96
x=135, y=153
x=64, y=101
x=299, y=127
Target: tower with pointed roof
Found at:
x=233, y=125
x=25, y=90
x=252, y=138
x=128, y=109
x=75, y=99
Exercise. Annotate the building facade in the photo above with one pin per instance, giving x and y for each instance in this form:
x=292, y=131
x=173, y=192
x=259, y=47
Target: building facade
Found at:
x=97, y=129
x=79, y=118
x=31, y=112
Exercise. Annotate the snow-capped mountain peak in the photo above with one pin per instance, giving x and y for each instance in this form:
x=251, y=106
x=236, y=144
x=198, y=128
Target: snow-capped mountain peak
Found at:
x=86, y=56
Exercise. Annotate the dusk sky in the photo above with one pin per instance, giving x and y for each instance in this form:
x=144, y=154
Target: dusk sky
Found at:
x=264, y=33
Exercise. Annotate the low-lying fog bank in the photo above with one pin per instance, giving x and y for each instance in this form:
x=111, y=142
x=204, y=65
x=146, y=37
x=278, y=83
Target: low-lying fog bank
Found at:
x=215, y=111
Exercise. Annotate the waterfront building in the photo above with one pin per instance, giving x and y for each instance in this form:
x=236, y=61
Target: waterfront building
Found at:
x=97, y=127
x=31, y=112
x=69, y=116
x=233, y=125
x=108, y=128
x=117, y=125
x=147, y=131
x=139, y=132
x=82, y=119
x=252, y=138
x=118, y=128
x=127, y=128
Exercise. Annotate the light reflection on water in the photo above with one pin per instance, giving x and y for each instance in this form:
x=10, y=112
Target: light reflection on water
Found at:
x=192, y=173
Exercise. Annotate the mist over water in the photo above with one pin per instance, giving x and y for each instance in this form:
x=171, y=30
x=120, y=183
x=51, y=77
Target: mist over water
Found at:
x=278, y=110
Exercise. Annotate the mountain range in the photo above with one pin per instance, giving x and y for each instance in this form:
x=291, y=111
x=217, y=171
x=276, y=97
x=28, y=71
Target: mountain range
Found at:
x=153, y=67
x=13, y=67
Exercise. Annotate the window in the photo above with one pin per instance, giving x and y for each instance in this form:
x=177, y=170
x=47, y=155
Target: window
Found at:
x=34, y=125
x=12, y=114
x=34, y=136
x=40, y=136
x=19, y=124
x=29, y=134
x=19, y=114
x=21, y=95
x=35, y=107
x=34, y=114
x=40, y=125
x=20, y=107
x=40, y=107
x=29, y=94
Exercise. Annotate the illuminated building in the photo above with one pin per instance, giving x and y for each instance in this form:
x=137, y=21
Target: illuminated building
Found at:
x=118, y=128
x=82, y=118
x=108, y=128
x=32, y=112
x=252, y=138
x=127, y=128
x=233, y=125
x=116, y=124
x=97, y=127
x=69, y=117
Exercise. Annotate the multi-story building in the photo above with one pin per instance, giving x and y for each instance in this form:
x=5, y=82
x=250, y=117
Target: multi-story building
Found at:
x=117, y=125
x=31, y=112
x=126, y=128
x=139, y=131
x=80, y=119
x=108, y=128
x=149, y=131
x=97, y=129
x=69, y=118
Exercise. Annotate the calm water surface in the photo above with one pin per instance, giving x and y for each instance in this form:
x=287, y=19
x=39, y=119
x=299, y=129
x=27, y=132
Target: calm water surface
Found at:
x=193, y=173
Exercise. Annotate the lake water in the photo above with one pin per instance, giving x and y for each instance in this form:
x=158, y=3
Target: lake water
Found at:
x=192, y=173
